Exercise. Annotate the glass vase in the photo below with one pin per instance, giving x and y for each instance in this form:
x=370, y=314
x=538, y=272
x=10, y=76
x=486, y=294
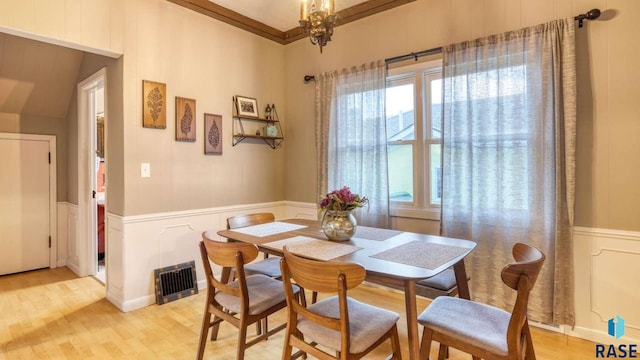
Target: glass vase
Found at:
x=339, y=225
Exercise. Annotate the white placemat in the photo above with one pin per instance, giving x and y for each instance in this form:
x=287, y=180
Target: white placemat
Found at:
x=422, y=254
x=369, y=233
x=268, y=229
x=313, y=248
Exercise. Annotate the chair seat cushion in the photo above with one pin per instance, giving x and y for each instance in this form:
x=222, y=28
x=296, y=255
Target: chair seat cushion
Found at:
x=269, y=266
x=480, y=325
x=264, y=292
x=367, y=324
x=444, y=281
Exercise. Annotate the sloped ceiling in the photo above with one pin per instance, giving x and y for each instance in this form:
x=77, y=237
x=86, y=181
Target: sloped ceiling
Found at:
x=36, y=78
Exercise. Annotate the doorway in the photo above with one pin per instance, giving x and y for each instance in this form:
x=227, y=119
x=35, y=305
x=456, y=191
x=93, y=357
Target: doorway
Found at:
x=92, y=184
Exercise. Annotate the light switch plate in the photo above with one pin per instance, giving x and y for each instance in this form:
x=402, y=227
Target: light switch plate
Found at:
x=145, y=170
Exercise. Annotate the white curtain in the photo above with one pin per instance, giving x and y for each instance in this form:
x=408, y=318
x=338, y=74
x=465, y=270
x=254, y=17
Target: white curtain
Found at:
x=509, y=132
x=351, y=137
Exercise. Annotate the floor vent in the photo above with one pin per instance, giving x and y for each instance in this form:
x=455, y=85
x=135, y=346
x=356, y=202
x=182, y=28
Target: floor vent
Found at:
x=175, y=282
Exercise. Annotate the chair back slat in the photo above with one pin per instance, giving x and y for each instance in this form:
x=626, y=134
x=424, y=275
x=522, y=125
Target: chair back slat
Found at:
x=239, y=221
x=310, y=276
x=225, y=254
x=529, y=262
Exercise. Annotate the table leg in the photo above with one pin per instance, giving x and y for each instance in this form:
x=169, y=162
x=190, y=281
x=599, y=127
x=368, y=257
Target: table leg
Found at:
x=412, y=319
x=461, y=280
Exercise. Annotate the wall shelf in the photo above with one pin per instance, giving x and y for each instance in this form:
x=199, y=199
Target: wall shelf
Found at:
x=256, y=128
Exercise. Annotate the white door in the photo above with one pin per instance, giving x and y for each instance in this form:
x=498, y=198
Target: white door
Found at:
x=24, y=205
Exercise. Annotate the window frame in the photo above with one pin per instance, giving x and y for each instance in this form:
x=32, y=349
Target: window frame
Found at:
x=420, y=74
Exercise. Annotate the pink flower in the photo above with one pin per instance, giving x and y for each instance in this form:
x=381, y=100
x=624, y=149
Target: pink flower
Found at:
x=342, y=199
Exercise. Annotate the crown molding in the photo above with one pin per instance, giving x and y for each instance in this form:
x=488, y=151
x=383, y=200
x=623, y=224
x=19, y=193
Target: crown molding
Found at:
x=238, y=20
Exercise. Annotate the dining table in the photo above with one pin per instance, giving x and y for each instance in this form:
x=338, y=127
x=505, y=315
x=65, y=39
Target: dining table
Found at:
x=390, y=257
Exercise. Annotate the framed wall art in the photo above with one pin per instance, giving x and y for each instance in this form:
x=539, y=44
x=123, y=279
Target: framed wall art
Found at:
x=154, y=104
x=212, y=134
x=246, y=106
x=185, y=119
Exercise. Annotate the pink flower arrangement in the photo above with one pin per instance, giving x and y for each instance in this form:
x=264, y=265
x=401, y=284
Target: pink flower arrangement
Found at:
x=343, y=200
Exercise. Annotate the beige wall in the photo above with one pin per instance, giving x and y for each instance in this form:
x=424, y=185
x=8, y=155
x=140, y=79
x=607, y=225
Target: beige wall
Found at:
x=196, y=57
x=206, y=60
x=201, y=58
x=608, y=150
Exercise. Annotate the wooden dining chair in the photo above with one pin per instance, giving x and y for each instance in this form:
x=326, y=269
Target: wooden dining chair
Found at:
x=268, y=266
x=481, y=330
x=242, y=302
x=339, y=324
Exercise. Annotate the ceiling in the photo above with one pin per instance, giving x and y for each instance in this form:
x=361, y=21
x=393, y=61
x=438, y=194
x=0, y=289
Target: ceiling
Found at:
x=277, y=20
x=36, y=78
x=280, y=14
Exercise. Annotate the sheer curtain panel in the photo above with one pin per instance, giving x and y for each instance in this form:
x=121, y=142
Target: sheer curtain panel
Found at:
x=351, y=137
x=509, y=127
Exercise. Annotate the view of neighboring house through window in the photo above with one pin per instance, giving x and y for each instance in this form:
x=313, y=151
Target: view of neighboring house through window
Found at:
x=414, y=121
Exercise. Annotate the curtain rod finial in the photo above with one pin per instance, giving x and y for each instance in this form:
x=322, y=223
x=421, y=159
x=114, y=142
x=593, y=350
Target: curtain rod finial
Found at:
x=308, y=78
x=590, y=15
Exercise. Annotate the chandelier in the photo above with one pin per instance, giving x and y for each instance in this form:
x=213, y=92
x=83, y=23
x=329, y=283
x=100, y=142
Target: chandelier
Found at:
x=318, y=21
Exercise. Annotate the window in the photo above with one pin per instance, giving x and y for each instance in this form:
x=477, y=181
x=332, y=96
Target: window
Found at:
x=414, y=121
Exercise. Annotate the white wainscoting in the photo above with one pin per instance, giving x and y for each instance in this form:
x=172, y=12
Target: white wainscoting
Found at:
x=607, y=274
x=68, y=235
x=136, y=245
x=62, y=217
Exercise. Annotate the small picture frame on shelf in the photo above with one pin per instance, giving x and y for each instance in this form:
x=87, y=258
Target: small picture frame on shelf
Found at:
x=246, y=106
x=212, y=134
x=185, y=119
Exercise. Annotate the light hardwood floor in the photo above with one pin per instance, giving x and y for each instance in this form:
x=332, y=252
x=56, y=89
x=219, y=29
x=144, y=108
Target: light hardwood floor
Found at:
x=52, y=314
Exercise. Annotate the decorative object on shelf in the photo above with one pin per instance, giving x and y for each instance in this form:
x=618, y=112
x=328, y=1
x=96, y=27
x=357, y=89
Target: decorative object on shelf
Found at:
x=154, y=103
x=267, y=112
x=318, y=21
x=246, y=106
x=338, y=223
x=212, y=134
x=185, y=119
x=257, y=132
x=270, y=130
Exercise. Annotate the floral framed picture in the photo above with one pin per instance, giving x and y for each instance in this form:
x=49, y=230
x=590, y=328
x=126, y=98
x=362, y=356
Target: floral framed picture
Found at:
x=185, y=119
x=154, y=104
x=212, y=134
x=246, y=106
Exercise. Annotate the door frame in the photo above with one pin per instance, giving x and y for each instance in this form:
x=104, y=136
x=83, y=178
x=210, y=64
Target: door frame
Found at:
x=87, y=211
x=53, y=188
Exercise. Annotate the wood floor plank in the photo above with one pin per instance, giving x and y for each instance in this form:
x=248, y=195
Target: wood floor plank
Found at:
x=53, y=314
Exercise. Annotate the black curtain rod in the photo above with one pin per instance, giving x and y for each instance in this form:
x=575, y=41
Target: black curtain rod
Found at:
x=590, y=15
x=413, y=55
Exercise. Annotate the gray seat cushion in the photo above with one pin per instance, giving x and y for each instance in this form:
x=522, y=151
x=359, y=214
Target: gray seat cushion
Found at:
x=264, y=292
x=367, y=324
x=269, y=266
x=478, y=324
x=444, y=281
